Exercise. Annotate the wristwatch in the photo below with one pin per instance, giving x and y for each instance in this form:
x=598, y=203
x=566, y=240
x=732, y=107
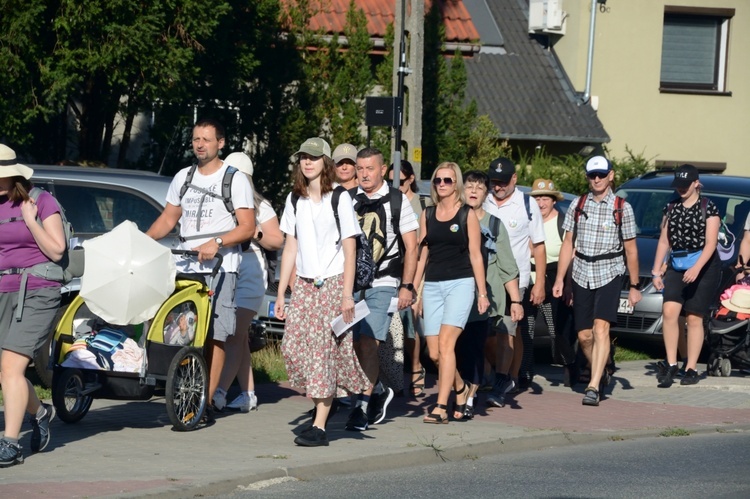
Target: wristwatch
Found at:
x=407, y=285
x=260, y=235
x=635, y=286
x=219, y=241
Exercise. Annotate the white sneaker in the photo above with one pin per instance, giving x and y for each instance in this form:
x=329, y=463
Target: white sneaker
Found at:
x=220, y=399
x=244, y=403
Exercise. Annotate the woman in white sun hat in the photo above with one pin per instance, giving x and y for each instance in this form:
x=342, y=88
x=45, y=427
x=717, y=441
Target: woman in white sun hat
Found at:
x=32, y=234
x=251, y=286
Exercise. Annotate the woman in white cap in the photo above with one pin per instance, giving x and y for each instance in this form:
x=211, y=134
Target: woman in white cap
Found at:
x=32, y=234
x=689, y=235
x=323, y=253
x=251, y=286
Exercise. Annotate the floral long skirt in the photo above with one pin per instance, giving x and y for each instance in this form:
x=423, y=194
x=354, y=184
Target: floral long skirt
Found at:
x=315, y=358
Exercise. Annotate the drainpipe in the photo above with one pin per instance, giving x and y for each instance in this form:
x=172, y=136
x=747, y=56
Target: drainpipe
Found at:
x=590, y=62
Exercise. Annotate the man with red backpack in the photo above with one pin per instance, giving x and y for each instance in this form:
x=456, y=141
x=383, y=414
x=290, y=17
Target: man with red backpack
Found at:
x=600, y=242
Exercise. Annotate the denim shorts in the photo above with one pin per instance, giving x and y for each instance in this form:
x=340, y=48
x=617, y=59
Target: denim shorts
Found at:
x=378, y=322
x=447, y=302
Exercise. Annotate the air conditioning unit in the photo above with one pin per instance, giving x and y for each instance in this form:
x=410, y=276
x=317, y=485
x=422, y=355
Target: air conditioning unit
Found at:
x=546, y=16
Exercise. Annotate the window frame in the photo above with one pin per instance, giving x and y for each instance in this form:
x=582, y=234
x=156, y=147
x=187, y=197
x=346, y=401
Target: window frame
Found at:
x=718, y=86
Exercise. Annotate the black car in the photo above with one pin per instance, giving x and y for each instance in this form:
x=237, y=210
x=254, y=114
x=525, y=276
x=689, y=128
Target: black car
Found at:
x=648, y=195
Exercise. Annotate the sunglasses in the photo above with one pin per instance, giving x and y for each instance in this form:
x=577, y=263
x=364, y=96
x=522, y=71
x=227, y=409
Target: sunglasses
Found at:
x=446, y=181
x=594, y=175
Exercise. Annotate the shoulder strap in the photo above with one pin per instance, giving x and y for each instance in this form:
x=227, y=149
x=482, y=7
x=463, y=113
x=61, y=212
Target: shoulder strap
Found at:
x=335, y=205
x=494, y=225
x=704, y=207
x=429, y=212
x=560, y=222
x=226, y=191
x=422, y=201
x=396, y=199
x=463, y=221
x=527, y=204
x=188, y=180
x=617, y=214
x=577, y=214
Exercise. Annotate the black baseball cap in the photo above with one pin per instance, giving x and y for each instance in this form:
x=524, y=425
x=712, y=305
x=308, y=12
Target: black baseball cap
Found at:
x=685, y=175
x=501, y=169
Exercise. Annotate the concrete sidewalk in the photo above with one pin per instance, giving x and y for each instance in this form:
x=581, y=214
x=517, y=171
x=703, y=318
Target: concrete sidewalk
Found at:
x=128, y=449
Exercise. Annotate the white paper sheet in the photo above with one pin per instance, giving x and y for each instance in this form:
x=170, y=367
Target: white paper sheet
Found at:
x=361, y=310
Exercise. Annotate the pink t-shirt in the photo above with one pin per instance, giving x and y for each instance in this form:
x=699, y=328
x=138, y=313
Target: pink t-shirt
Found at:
x=17, y=246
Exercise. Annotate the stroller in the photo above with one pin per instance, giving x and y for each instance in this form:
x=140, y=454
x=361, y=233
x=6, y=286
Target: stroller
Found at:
x=729, y=332
x=163, y=356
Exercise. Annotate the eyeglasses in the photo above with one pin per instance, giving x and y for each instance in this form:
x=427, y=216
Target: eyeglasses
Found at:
x=445, y=180
x=594, y=175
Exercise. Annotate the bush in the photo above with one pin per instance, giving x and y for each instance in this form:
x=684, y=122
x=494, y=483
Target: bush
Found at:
x=568, y=173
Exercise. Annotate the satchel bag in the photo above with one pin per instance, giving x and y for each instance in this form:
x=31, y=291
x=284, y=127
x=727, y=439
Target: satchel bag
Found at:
x=682, y=259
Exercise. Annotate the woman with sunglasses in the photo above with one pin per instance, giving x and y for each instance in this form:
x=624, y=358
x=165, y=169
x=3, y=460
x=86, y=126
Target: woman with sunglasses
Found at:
x=452, y=267
x=691, y=225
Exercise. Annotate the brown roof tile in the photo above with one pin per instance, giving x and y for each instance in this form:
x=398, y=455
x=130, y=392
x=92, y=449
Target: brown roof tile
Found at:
x=380, y=13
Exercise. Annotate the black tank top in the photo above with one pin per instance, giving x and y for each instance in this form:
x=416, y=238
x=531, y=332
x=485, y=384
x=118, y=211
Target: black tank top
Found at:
x=449, y=251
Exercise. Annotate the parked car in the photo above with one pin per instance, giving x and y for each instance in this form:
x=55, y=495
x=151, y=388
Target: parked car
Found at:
x=95, y=201
x=648, y=195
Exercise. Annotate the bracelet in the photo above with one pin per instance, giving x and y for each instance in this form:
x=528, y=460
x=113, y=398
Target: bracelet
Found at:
x=348, y=298
x=483, y=296
x=654, y=276
x=514, y=302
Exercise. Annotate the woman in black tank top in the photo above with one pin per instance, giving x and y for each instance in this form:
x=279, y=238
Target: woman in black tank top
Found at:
x=450, y=262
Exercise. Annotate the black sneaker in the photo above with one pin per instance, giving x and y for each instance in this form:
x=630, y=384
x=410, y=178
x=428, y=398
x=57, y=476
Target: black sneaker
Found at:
x=683, y=368
x=378, y=405
x=10, y=454
x=665, y=380
x=590, y=397
x=314, y=437
x=40, y=429
x=690, y=378
x=313, y=412
x=357, y=420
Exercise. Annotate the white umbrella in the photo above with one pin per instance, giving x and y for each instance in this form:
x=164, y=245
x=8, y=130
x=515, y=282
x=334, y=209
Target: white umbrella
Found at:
x=127, y=275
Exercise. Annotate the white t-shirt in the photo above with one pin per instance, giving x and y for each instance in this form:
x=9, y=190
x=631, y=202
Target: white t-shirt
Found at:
x=407, y=223
x=520, y=230
x=253, y=265
x=318, y=253
x=214, y=217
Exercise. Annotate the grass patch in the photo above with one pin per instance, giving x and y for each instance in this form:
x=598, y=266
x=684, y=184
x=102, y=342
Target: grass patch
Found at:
x=674, y=432
x=268, y=364
x=623, y=354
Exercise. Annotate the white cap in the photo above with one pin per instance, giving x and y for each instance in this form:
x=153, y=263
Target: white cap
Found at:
x=241, y=161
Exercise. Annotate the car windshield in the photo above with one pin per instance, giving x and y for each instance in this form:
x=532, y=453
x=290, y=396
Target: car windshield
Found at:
x=648, y=206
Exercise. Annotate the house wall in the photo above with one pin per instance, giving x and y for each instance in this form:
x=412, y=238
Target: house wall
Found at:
x=625, y=81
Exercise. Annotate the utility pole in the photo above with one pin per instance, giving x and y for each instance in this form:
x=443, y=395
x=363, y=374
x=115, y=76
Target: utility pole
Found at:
x=409, y=61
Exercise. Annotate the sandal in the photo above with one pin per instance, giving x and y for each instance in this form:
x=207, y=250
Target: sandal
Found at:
x=417, y=388
x=433, y=418
x=461, y=408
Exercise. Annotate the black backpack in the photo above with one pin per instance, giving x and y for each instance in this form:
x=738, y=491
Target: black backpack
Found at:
x=365, y=266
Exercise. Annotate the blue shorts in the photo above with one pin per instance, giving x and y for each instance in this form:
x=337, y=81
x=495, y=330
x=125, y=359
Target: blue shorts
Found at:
x=378, y=321
x=413, y=326
x=447, y=302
